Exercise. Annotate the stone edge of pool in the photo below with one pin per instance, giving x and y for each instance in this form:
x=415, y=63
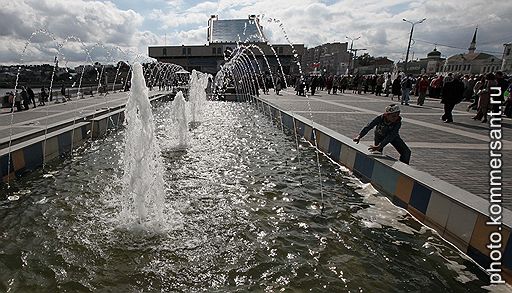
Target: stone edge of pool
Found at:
x=35, y=148
x=457, y=215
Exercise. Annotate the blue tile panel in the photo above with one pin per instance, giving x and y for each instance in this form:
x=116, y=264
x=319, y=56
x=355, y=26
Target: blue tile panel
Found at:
x=385, y=176
x=274, y=112
x=287, y=120
x=420, y=197
x=111, y=121
x=3, y=165
x=479, y=257
x=364, y=165
x=33, y=156
x=84, y=131
x=300, y=127
x=64, y=143
x=334, y=149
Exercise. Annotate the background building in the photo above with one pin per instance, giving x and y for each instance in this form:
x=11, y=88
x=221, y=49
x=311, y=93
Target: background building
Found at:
x=222, y=37
x=379, y=65
x=330, y=58
x=430, y=65
x=472, y=62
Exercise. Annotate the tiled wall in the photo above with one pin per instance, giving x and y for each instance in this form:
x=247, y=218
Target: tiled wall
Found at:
x=29, y=155
x=456, y=221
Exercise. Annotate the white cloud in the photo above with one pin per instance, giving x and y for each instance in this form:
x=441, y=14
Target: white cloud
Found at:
x=90, y=21
x=312, y=22
x=172, y=20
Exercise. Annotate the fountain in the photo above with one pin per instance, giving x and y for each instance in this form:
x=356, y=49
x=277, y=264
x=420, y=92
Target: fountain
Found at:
x=197, y=95
x=232, y=213
x=143, y=194
x=180, y=121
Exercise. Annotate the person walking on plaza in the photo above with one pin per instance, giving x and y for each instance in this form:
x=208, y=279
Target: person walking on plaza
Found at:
x=480, y=81
x=314, y=84
x=484, y=97
x=387, y=127
x=469, y=84
x=25, y=98
x=406, y=90
x=63, y=92
x=396, y=88
x=380, y=85
x=387, y=85
x=355, y=84
x=452, y=94
x=10, y=99
x=43, y=96
x=422, y=90
x=343, y=84
x=328, y=84
x=17, y=101
x=335, y=84
x=31, y=95
x=436, y=86
x=278, y=84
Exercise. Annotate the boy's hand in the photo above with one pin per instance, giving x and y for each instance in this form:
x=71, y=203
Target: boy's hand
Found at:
x=374, y=148
x=356, y=139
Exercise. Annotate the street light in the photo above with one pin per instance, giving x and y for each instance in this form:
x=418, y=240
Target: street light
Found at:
x=410, y=38
x=351, y=45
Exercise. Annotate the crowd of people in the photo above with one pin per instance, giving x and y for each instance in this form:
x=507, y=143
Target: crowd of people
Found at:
x=450, y=89
x=20, y=100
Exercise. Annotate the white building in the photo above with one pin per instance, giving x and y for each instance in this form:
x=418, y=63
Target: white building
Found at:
x=473, y=62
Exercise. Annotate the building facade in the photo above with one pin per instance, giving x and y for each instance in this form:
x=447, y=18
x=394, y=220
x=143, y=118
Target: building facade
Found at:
x=432, y=64
x=330, y=58
x=472, y=62
x=223, y=36
x=380, y=65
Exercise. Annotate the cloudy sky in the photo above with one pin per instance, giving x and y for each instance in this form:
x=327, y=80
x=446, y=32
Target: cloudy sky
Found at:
x=103, y=27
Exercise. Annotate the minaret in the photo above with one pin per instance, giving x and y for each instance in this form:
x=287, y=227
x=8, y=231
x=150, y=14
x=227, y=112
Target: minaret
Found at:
x=472, y=47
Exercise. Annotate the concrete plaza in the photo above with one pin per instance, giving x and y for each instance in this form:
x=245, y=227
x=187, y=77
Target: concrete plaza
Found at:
x=456, y=152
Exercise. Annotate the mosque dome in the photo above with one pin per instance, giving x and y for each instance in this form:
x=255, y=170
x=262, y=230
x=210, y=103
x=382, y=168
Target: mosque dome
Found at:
x=434, y=53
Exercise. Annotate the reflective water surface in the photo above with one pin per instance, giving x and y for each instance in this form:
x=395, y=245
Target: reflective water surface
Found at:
x=237, y=219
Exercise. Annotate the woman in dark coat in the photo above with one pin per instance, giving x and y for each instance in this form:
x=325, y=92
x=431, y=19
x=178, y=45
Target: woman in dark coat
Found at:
x=396, y=88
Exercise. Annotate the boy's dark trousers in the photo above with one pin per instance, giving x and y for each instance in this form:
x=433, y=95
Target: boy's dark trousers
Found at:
x=400, y=146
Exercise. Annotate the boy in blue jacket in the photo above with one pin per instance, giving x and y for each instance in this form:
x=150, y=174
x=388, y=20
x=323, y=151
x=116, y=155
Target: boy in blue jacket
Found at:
x=387, y=127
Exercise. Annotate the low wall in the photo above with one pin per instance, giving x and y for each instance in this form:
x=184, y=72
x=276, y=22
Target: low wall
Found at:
x=30, y=150
x=30, y=154
x=458, y=216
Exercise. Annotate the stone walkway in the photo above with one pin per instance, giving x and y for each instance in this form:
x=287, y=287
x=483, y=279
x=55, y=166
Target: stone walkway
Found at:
x=30, y=121
x=454, y=152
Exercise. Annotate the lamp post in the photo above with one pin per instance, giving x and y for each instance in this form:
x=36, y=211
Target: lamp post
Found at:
x=350, y=65
x=410, y=38
x=355, y=54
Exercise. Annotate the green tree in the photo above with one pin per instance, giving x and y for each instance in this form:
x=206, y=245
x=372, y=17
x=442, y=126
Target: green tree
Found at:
x=365, y=59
